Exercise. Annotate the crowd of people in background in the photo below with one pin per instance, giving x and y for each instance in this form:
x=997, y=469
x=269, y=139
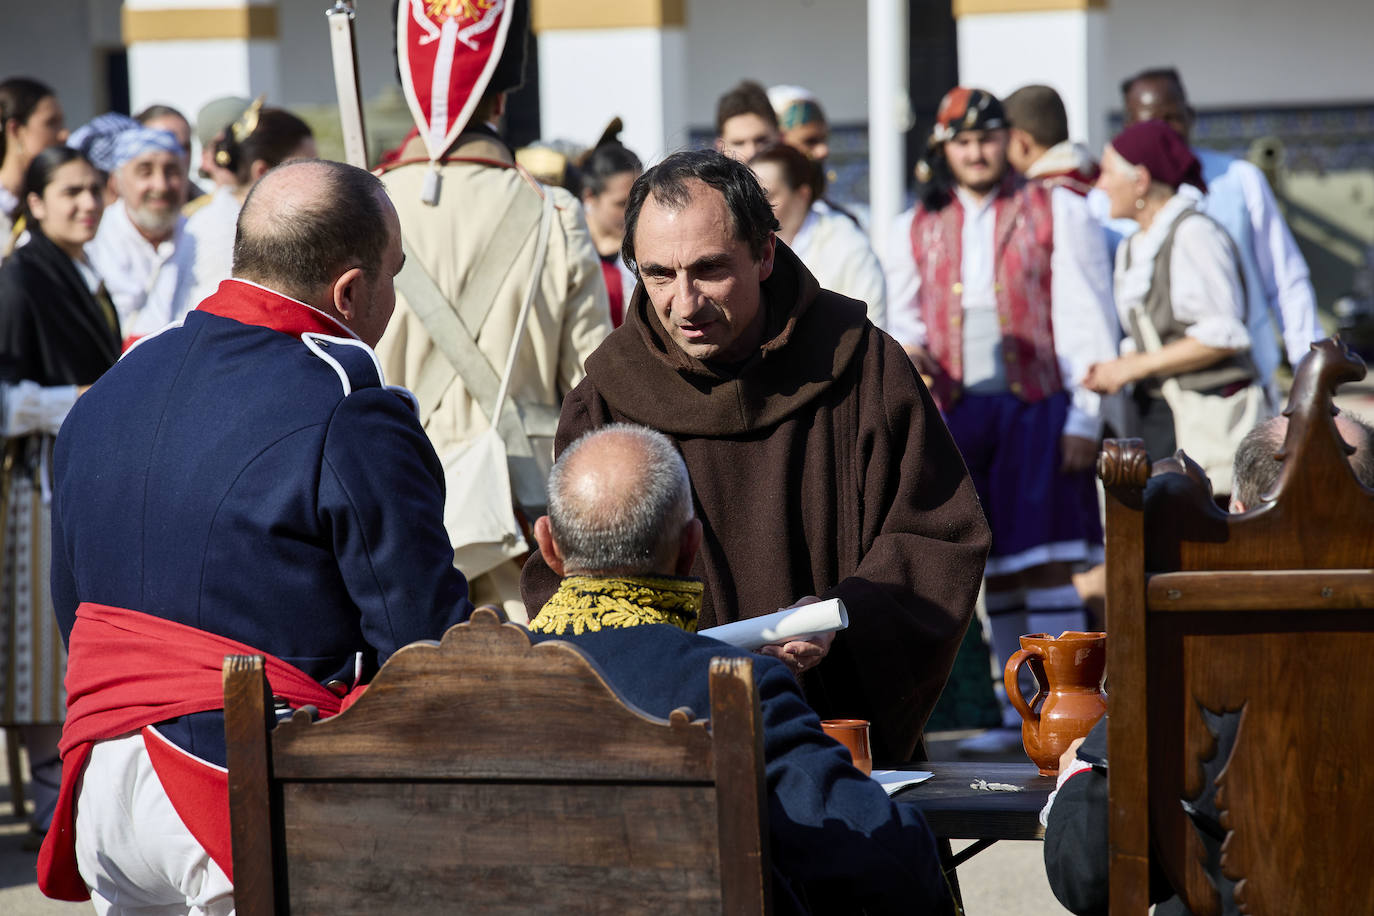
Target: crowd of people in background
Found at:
x=1047, y=298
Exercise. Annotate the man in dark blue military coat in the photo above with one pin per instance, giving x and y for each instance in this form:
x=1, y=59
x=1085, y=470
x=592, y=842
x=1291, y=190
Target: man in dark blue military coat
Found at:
x=242, y=482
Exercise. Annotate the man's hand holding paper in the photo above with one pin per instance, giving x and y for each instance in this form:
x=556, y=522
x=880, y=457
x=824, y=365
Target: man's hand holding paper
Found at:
x=802, y=654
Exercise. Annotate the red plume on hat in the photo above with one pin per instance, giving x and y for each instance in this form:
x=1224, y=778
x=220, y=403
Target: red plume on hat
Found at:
x=1164, y=154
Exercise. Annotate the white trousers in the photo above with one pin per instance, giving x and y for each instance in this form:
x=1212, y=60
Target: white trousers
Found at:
x=132, y=849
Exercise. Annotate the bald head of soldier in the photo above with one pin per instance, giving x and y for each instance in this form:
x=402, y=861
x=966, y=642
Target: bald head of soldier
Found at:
x=620, y=504
x=326, y=234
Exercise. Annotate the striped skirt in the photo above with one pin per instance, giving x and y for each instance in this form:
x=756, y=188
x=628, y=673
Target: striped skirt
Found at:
x=33, y=661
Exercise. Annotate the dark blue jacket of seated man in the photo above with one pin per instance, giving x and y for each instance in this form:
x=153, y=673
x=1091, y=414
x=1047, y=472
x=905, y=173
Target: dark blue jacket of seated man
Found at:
x=619, y=500
x=838, y=842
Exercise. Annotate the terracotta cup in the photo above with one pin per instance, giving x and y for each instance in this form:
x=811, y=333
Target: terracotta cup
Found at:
x=853, y=734
x=1069, y=673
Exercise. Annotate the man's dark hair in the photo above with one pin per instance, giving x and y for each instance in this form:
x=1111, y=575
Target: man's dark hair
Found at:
x=19, y=96
x=604, y=162
x=746, y=98
x=1039, y=111
x=1164, y=74
x=300, y=250
x=1256, y=471
x=669, y=183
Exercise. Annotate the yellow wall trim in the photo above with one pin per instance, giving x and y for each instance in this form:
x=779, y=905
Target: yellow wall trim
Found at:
x=242, y=22
x=565, y=15
x=980, y=7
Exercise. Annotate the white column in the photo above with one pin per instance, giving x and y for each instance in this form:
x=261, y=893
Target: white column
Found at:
x=589, y=76
x=1007, y=44
x=184, y=53
x=600, y=60
x=889, y=115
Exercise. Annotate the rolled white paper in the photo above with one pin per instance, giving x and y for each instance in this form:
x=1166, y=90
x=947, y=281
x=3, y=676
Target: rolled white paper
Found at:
x=793, y=623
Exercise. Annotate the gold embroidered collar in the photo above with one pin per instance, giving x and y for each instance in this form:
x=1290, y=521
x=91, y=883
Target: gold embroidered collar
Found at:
x=589, y=603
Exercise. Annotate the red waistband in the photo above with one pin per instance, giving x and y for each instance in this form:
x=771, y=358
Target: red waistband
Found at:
x=127, y=670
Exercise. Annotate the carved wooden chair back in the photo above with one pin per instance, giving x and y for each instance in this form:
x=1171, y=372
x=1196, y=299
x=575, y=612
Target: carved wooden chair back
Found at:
x=1237, y=650
x=485, y=774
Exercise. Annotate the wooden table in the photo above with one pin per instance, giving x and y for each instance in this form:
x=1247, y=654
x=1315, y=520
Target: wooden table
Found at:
x=957, y=810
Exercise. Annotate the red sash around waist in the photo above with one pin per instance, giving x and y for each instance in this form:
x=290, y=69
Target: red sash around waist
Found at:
x=127, y=670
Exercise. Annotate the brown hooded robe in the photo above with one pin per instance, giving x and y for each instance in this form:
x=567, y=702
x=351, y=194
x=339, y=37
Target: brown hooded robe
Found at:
x=819, y=466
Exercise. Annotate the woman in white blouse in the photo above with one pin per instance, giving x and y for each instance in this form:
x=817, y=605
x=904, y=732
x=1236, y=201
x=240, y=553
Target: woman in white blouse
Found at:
x=1179, y=275
x=828, y=241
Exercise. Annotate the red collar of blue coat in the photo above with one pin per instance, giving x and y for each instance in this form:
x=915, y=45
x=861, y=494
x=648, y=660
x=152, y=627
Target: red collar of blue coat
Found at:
x=248, y=303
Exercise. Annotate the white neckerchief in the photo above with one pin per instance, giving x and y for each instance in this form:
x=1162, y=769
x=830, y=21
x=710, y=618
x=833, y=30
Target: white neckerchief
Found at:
x=9, y=204
x=1132, y=284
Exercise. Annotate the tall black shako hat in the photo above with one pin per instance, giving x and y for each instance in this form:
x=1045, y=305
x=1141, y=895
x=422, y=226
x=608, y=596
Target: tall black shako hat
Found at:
x=961, y=109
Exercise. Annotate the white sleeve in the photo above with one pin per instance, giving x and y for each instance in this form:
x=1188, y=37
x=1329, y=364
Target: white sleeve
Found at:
x=1081, y=309
x=868, y=280
x=1204, y=285
x=28, y=407
x=1287, y=284
x=903, y=284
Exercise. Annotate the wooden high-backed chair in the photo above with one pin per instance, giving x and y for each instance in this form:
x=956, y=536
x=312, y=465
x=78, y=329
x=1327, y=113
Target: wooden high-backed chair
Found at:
x=482, y=774
x=1258, y=626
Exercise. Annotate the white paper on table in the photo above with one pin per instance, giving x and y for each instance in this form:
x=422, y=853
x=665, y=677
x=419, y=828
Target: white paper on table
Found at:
x=895, y=780
x=793, y=623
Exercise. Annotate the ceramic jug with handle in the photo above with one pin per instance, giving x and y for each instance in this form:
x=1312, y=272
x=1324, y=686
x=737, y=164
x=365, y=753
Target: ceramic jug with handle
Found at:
x=1069, y=673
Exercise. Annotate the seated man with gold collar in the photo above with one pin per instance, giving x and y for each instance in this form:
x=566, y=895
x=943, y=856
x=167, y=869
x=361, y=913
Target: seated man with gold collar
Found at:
x=622, y=533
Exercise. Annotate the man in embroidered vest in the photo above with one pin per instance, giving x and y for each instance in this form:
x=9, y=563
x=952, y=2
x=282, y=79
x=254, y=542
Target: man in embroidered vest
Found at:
x=457, y=310
x=622, y=534
x=819, y=464
x=1278, y=290
x=1000, y=293
x=242, y=483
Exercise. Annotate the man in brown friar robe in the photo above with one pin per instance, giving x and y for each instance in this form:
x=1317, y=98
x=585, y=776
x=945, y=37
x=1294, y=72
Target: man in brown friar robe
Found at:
x=819, y=463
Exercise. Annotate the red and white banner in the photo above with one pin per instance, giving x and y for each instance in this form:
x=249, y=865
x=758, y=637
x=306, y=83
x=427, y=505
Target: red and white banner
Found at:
x=447, y=50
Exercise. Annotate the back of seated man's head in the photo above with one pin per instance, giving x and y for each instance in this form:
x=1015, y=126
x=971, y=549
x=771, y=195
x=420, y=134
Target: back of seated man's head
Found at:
x=1038, y=121
x=1256, y=471
x=620, y=504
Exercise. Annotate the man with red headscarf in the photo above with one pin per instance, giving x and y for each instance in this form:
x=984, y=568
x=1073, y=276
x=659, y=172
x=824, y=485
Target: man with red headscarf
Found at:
x=1000, y=291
